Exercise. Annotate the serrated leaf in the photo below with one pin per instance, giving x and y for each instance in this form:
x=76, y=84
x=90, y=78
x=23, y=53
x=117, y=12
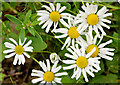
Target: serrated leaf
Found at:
x=22, y=35
x=31, y=30
x=13, y=19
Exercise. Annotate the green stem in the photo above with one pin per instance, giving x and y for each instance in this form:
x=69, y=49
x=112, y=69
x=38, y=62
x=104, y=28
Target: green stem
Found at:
x=111, y=37
x=45, y=51
x=76, y=6
x=11, y=80
x=82, y=2
x=34, y=59
x=57, y=38
x=71, y=11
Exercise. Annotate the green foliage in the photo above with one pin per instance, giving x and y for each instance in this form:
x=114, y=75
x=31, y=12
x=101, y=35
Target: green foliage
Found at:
x=13, y=19
x=22, y=35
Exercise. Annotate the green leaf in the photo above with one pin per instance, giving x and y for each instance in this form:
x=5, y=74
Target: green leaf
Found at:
x=35, y=23
x=110, y=78
x=113, y=65
x=19, y=26
x=67, y=80
x=66, y=4
x=27, y=17
x=37, y=44
x=2, y=76
x=13, y=19
x=31, y=30
x=22, y=35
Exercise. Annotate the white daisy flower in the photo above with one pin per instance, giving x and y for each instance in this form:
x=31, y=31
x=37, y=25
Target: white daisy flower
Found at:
x=93, y=19
x=52, y=16
x=70, y=32
x=48, y=76
x=18, y=50
x=81, y=62
x=101, y=50
x=54, y=57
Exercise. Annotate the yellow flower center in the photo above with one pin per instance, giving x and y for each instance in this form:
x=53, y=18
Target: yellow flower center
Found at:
x=89, y=49
x=54, y=16
x=48, y=76
x=92, y=19
x=82, y=62
x=19, y=49
x=73, y=33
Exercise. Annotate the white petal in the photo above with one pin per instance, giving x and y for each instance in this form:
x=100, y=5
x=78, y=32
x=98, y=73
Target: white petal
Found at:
x=8, y=51
x=29, y=49
x=35, y=74
x=27, y=44
x=48, y=27
x=90, y=53
x=69, y=61
x=84, y=74
x=96, y=30
x=23, y=59
x=42, y=21
x=10, y=55
x=94, y=8
x=102, y=11
x=48, y=64
x=58, y=7
x=64, y=23
x=78, y=75
x=83, y=28
x=76, y=72
x=62, y=9
x=101, y=29
x=107, y=21
x=54, y=83
x=19, y=59
x=20, y=43
x=107, y=14
x=103, y=24
x=11, y=39
x=88, y=71
x=61, y=30
x=70, y=67
x=43, y=11
x=54, y=66
x=61, y=74
x=61, y=36
x=104, y=44
x=52, y=6
x=9, y=45
x=58, y=80
x=38, y=72
x=66, y=42
x=42, y=83
x=70, y=56
x=26, y=54
x=57, y=69
x=46, y=23
x=37, y=80
x=15, y=59
x=105, y=57
x=48, y=8
x=43, y=66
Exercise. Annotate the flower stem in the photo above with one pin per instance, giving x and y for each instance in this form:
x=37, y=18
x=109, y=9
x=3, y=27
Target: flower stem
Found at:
x=11, y=80
x=34, y=59
x=111, y=37
x=76, y=6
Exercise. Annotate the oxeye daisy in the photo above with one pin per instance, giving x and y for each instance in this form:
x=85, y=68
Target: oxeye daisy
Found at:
x=93, y=19
x=81, y=62
x=52, y=16
x=18, y=50
x=70, y=32
x=101, y=50
x=54, y=57
x=49, y=75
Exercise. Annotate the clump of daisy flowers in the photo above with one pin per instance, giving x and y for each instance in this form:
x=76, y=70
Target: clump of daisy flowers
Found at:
x=85, y=52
